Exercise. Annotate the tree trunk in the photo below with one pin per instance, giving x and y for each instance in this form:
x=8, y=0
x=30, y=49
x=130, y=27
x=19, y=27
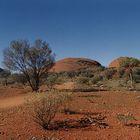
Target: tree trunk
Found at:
x=35, y=87
x=131, y=80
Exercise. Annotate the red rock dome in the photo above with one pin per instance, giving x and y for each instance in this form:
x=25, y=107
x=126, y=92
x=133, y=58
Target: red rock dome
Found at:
x=117, y=62
x=71, y=64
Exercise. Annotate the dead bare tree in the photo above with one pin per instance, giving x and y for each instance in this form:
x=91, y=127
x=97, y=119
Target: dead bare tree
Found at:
x=33, y=61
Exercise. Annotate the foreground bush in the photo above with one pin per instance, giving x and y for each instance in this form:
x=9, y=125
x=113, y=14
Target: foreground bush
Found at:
x=45, y=106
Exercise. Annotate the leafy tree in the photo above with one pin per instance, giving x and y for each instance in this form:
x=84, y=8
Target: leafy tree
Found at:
x=121, y=72
x=129, y=63
x=136, y=74
x=33, y=61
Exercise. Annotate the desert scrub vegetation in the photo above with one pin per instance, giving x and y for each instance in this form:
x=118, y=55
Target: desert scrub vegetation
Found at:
x=95, y=79
x=66, y=107
x=44, y=107
x=109, y=73
x=83, y=80
x=125, y=118
x=129, y=64
x=136, y=74
x=4, y=77
x=51, y=81
x=121, y=72
x=34, y=138
x=85, y=73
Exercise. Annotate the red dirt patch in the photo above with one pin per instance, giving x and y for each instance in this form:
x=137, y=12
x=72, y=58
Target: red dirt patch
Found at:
x=18, y=123
x=11, y=96
x=13, y=91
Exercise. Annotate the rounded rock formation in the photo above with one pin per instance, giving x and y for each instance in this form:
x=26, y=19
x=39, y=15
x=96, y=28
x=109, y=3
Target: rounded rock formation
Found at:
x=117, y=62
x=72, y=64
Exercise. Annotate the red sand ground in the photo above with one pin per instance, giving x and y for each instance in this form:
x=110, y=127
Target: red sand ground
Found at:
x=70, y=64
x=17, y=122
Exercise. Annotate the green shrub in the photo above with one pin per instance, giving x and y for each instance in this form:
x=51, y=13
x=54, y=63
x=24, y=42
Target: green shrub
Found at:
x=17, y=78
x=96, y=79
x=109, y=73
x=4, y=77
x=86, y=73
x=98, y=69
x=121, y=72
x=51, y=81
x=68, y=74
x=129, y=62
x=136, y=74
x=71, y=74
x=83, y=80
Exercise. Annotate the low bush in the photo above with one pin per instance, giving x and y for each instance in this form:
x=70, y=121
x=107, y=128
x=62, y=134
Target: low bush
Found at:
x=121, y=72
x=96, y=79
x=51, y=81
x=66, y=98
x=109, y=73
x=17, y=78
x=44, y=107
x=83, y=80
x=125, y=118
x=85, y=73
x=136, y=74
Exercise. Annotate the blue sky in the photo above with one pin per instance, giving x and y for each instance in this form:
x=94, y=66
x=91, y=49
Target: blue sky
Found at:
x=96, y=29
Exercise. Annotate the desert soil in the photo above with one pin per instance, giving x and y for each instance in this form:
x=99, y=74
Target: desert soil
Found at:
x=16, y=122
